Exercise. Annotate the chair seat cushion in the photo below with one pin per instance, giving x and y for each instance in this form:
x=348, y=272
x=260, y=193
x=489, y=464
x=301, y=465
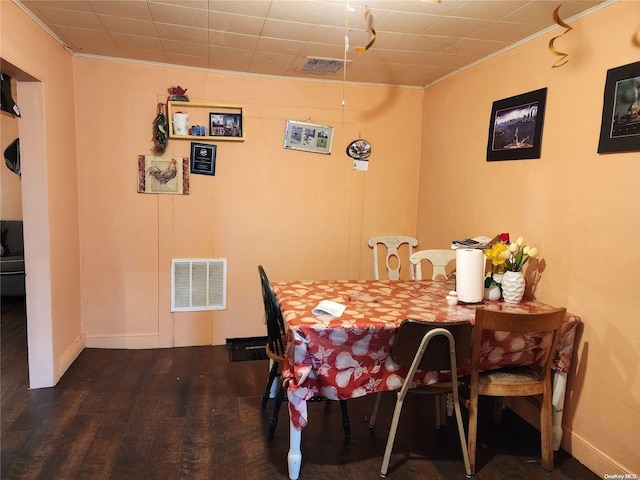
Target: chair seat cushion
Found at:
x=505, y=375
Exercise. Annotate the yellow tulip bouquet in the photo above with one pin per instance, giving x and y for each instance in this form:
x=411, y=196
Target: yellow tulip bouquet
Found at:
x=507, y=256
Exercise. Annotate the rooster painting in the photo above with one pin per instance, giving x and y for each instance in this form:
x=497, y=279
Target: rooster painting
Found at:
x=162, y=177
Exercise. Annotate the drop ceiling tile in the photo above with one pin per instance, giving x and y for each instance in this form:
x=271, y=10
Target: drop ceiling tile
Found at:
x=225, y=53
x=488, y=9
x=232, y=40
x=235, y=23
x=135, y=42
x=74, y=5
x=127, y=25
x=68, y=18
x=457, y=27
x=182, y=33
x=177, y=15
x=259, y=8
x=505, y=32
x=265, y=44
x=271, y=63
x=122, y=8
x=480, y=48
x=325, y=51
x=185, y=48
x=312, y=12
x=407, y=23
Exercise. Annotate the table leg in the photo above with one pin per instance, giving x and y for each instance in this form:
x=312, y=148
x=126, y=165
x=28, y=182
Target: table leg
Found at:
x=557, y=401
x=294, y=458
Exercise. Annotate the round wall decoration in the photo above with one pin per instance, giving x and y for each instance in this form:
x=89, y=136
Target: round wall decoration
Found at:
x=359, y=149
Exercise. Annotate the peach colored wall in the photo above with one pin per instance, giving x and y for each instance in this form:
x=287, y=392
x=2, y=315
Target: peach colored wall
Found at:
x=49, y=182
x=578, y=207
x=299, y=214
x=10, y=189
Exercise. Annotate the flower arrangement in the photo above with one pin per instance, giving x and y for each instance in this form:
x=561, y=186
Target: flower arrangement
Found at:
x=507, y=256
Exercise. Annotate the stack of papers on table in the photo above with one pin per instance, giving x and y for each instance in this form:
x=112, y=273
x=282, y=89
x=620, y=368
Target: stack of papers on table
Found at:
x=328, y=307
x=475, y=242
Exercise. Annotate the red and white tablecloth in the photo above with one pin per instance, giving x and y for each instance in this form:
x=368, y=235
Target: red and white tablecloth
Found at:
x=348, y=357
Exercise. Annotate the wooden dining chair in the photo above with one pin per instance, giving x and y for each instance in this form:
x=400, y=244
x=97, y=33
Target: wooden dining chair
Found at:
x=429, y=346
x=276, y=348
x=439, y=260
x=391, y=243
x=527, y=380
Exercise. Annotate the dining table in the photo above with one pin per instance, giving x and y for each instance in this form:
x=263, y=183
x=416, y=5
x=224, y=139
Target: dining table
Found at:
x=348, y=356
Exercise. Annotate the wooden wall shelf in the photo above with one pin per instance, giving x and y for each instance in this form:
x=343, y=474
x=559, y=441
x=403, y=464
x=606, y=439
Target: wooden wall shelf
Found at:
x=231, y=125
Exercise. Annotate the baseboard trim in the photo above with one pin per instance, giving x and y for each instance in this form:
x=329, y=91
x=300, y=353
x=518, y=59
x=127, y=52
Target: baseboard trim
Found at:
x=70, y=355
x=139, y=341
x=590, y=456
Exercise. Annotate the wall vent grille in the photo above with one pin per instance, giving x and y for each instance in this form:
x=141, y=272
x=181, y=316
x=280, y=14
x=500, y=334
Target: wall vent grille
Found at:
x=198, y=284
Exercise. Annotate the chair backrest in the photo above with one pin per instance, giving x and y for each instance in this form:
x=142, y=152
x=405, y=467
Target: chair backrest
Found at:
x=392, y=242
x=439, y=260
x=444, y=339
x=276, y=332
x=517, y=322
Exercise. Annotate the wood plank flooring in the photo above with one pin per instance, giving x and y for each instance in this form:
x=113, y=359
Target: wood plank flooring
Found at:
x=187, y=413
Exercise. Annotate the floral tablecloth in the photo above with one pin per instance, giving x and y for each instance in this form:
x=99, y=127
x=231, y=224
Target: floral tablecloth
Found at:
x=348, y=357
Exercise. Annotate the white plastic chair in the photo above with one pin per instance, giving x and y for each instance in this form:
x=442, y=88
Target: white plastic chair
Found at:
x=439, y=259
x=392, y=242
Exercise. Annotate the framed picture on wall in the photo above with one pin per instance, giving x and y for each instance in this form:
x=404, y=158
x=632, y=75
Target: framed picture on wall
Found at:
x=515, y=129
x=203, y=158
x=620, y=129
x=308, y=137
x=225, y=124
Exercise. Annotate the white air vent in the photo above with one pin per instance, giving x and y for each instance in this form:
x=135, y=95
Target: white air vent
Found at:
x=322, y=65
x=198, y=284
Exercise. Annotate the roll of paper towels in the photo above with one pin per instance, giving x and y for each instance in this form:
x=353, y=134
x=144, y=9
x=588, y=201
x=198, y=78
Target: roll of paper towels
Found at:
x=470, y=274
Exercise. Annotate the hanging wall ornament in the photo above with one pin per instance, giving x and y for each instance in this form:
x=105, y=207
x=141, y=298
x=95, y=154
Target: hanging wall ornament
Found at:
x=369, y=19
x=564, y=56
x=359, y=149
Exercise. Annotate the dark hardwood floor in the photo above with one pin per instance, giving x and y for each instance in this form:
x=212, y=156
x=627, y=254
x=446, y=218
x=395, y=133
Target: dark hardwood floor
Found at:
x=187, y=413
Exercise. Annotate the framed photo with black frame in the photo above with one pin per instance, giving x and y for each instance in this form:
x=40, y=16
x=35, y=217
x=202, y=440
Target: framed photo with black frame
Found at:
x=515, y=131
x=620, y=129
x=225, y=125
x=203, y=158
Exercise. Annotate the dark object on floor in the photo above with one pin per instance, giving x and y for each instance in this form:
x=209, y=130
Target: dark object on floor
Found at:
x=11, y=258
x=246, y=349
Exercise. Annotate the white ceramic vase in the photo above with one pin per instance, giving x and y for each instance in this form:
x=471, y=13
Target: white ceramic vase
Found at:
x=513, y=287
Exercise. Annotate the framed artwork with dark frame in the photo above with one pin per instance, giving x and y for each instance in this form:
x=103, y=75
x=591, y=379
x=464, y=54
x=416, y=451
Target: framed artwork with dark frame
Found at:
x=515, y=131
x=620, y=129
x=225, y=124
x=203, y=158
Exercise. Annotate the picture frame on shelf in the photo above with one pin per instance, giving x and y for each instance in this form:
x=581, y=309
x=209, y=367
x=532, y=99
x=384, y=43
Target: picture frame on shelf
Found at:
x=620, y=127
x=515, y=128
x=225, y=124
x=309, y=137
x=203, y=158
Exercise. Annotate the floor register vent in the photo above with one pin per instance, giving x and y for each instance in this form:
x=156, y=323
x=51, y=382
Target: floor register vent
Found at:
x=198, y=284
